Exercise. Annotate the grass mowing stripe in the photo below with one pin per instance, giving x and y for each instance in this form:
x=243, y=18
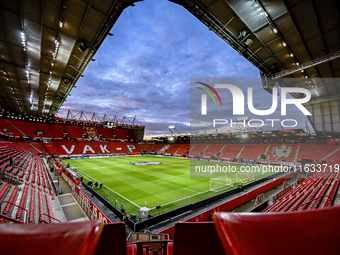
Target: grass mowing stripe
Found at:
x=178, y=186
x=183, y=198
x=135, y=184
x=112, y=190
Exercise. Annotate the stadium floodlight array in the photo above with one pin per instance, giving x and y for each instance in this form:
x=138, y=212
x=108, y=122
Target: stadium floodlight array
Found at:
x=221, y=183
x=244, y=177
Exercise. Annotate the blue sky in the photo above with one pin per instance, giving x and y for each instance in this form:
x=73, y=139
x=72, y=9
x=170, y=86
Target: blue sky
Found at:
x=145, y=68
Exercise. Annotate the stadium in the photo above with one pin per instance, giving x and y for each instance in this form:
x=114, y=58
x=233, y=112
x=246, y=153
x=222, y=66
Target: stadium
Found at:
x=245, y=175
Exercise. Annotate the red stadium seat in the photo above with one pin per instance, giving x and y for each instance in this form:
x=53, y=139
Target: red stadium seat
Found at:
x=306, y=232
x=197, y=238
x=113, y=241
x=170, y=248
x=65, y=238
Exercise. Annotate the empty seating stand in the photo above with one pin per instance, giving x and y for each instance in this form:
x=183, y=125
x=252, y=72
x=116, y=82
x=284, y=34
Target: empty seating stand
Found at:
x=311, y=193
x=22, y=203
x=4, y=190
x=11, y=200
x=32, y=206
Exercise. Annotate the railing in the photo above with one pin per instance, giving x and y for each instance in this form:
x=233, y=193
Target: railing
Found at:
x=83, y=206
x=138, y=226
x=14, y=220
x=282, y=192
x=49, y=216
x=9, y=178
x=50, y=177
x=313, y=200
x=145, y=237
x=5, y=217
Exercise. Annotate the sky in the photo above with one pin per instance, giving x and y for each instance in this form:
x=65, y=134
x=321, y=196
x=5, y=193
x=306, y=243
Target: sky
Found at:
x=144, y=70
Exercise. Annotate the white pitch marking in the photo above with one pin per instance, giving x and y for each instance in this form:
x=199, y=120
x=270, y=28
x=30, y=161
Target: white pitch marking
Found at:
x=182, y=198
x=171, y=177
x=113, y=190
x=178, y=186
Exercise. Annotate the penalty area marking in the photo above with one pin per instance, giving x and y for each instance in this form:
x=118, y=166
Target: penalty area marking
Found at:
x=111, y=190
x=182, y=199
x=178, y=186
x=197, y=193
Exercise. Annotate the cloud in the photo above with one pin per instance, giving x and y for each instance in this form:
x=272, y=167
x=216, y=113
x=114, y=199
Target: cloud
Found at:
x=145, y=68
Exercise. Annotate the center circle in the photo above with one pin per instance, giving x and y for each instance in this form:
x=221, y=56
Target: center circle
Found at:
x=149, y=163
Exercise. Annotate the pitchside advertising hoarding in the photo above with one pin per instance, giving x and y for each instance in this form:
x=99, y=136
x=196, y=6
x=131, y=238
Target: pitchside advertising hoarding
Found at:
x=241, y=108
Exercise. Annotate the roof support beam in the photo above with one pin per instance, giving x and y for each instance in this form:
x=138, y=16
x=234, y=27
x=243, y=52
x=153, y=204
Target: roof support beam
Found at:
x=330, y=114
x=323, y=99
x=306, y=65
x=260, y=40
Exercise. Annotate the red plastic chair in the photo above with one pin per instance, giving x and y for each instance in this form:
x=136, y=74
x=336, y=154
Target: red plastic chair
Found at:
x=197, y=238
x=52, y=239
x=307, y=232
x=170, y=248
x=113, y=241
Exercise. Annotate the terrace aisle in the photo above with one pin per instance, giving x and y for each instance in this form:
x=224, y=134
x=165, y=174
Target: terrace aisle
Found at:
x=69, y=205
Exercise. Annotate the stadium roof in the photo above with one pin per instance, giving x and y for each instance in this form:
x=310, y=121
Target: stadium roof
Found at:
x=284, y=38
x=46, y=45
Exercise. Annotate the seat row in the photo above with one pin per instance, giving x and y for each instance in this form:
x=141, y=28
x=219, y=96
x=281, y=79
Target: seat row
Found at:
x=316, y=191
x=22, y=128
x=307, y=232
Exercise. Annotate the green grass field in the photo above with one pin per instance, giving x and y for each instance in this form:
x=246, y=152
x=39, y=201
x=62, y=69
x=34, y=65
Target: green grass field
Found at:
x=168, y=185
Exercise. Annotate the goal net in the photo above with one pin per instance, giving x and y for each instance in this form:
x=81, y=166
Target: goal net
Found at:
x=244, y=177
x=221, y=183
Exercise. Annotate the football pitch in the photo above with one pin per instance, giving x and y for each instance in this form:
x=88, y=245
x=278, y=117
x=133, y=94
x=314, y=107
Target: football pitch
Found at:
x=135, y=186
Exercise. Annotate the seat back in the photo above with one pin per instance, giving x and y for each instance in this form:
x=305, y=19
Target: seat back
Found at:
x=306, y=232
x=112, y=240
x=66, y=238
x=199, y=238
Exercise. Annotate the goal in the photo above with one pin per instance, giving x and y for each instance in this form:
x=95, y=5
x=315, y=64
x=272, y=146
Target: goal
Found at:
x=221, y=183
x=244, y=177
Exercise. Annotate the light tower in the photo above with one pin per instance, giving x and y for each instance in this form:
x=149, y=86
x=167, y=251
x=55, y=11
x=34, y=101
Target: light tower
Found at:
x=173, y=131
